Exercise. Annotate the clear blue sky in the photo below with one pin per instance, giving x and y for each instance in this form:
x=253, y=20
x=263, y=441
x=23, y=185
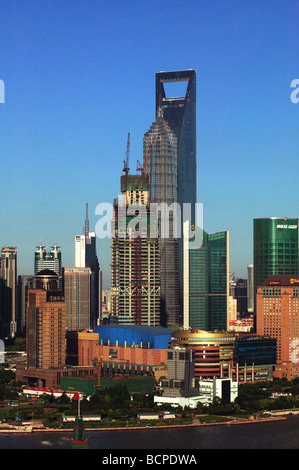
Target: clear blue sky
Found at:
x=80, y=74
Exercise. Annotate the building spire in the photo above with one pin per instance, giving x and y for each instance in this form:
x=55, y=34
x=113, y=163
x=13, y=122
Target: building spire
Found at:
x=86, y=227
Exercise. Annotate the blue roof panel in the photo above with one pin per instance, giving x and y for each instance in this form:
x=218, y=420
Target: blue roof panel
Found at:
x=152, y=336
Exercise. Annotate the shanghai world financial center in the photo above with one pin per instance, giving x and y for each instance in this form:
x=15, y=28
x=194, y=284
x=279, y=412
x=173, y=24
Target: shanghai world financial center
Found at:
x=180, y=114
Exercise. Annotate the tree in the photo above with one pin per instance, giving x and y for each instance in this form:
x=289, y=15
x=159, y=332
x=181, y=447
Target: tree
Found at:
x=64, y=399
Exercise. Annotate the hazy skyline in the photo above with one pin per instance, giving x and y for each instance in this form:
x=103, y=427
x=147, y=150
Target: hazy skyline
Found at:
x=80, y=75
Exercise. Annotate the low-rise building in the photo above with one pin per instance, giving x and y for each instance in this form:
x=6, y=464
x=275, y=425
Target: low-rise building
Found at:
x=51, y=378
x=86, y=418
x=180, y=380
x=244, y=357
x=36, y=392
x=225, y=389
x=147, y=415
x=191, y=402
x=82, y=348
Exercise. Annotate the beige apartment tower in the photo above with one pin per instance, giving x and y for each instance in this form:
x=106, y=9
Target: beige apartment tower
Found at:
x=45, y=327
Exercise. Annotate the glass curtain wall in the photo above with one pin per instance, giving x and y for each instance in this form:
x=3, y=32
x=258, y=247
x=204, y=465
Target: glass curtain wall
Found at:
x=161, y=165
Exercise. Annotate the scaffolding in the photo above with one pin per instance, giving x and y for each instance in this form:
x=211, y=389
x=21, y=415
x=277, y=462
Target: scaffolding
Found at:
x=135, y=267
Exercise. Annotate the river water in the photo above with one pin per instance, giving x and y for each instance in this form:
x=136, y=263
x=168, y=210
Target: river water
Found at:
x=269, y=435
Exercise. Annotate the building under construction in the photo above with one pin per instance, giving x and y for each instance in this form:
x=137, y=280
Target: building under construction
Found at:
x=135, y=268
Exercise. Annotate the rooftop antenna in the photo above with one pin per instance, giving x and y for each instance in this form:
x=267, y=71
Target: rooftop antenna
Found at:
x=86, y=227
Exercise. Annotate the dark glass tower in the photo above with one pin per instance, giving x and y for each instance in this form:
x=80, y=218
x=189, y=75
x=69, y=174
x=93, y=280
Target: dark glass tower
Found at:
x=219, y=279
x=8, y=272
x=180, y=114
x=275, y=249
x=206, y=282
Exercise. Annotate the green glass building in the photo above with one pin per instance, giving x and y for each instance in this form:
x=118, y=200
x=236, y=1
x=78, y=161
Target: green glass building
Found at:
x=218, y=280
x=275, y=249
x=206, y=281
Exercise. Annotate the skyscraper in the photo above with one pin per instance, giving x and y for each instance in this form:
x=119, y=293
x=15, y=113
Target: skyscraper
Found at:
x=206, y=281
x=5, y=309
x=9, y=274
x=135, y=268
x=25, y=282
x=219, y=279
x=45, y=259
x=86, y=257
x=160, y=144
x=250, y=288
x=240, y=294
x=277, y=306
x=77, y=298
x=275, y=249
x=180, y=114
x=80, y=250
x=45, y=326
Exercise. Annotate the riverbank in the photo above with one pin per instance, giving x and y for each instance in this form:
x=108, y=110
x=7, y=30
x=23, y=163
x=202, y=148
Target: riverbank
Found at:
x=196, y=423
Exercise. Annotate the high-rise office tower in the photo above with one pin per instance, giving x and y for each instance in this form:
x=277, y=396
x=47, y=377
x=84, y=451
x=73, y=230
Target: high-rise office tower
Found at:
x=25, y=282
x=240, y=294
x=86, y=257
x=45, y=259
x=77, y=298
x=100, y=316
x=135, y=268
x=206, y=281
x=5, y=309
x=250, y=289
x=160, y=145
x=277, y=306
x=180, y=114
x=219, y=279
x=9, y=274
x=80, y=250
x=45, y=323
x=275, y=249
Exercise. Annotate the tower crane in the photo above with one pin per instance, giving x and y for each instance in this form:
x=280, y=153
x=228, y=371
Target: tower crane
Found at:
x=139, y=166
x=126, y=161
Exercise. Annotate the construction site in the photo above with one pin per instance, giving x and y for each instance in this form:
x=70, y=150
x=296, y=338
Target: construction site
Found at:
x=135, y=267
